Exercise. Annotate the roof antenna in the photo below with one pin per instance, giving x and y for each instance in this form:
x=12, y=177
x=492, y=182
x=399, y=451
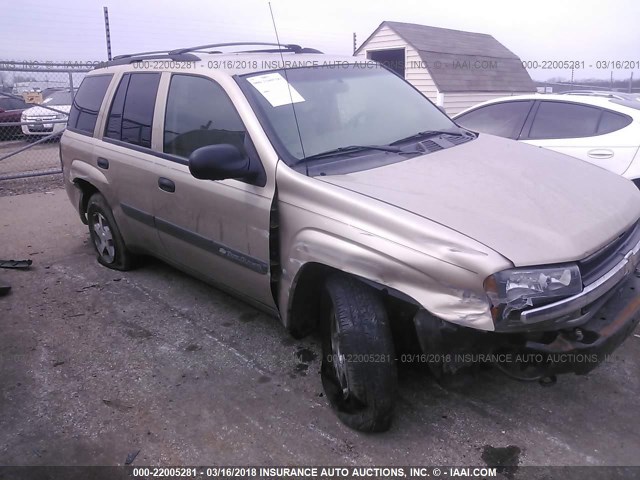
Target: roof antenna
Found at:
x=284, y=69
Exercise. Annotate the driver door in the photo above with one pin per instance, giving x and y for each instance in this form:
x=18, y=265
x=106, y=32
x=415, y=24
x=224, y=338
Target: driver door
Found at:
x=218, y=230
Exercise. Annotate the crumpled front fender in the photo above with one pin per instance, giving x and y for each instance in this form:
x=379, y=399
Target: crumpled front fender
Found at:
x=408, y=271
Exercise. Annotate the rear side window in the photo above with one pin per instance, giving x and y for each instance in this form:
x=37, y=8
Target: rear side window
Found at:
x=86, y=104
x=131, y=115
x=199, y=113
x=610, y=122
x=564, y=120
x=502, y=119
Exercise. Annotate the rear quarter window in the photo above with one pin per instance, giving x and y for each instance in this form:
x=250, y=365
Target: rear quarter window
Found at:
x=87, y=102
x=610, y=122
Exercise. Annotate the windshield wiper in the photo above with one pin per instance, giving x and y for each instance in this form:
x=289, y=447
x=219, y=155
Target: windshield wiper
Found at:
x=352, y=148
x=431, y=133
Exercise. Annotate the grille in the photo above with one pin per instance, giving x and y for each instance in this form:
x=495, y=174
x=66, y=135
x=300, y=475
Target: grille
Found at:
x=596, y=265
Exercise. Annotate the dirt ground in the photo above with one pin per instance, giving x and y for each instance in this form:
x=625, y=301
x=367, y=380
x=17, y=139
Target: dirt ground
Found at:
x=96, y=365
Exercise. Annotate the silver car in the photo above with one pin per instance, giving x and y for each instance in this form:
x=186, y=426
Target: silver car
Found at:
x=330, y=193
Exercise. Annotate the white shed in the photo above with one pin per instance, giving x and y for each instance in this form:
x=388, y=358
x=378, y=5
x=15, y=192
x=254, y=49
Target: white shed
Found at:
x=452, y=68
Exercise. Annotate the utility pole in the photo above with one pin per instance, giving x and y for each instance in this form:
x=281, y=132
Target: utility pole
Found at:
x=571, y=77
x=106, y=31
x=631, y=81
x=354, y=43
x=611, y=81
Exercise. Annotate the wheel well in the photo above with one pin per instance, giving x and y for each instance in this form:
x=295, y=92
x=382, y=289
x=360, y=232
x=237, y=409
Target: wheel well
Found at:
x=86, y=190
x=307, y=295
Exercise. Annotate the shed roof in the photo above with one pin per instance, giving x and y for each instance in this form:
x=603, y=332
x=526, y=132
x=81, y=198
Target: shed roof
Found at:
x=463, y=61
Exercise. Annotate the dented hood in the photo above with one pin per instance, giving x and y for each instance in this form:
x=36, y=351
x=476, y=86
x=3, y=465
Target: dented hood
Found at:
x=531, y=205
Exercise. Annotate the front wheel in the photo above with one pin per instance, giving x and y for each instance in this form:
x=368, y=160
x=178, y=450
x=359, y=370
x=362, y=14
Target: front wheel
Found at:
x=358, y=366
x=105, y=235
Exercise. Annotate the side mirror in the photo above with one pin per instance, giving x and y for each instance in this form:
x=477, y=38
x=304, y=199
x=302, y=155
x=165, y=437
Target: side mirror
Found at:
x=219, y=162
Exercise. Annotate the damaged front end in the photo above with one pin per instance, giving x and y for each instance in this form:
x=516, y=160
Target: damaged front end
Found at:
x=535, y=353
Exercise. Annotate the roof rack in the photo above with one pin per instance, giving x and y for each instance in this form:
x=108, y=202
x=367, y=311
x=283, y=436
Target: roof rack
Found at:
x=155, y=55
x=187, y=54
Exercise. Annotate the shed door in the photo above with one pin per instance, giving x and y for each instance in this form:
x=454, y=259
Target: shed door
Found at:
x=393, y=59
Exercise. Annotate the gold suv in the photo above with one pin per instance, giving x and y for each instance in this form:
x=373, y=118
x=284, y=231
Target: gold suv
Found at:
x=329, y=192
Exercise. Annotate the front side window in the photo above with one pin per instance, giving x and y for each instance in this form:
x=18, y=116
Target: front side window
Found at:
x=329, y=107
x=502, y=119
x=86, y=104
x=199, y=113
x=564, y=120
x=131, y=115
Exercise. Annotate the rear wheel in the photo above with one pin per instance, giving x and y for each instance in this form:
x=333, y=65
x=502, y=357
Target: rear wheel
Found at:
x=358, y=367
x=106, y=236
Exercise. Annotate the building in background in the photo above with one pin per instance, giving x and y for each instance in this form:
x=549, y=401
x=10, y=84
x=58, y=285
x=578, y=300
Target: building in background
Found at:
x=454, y=69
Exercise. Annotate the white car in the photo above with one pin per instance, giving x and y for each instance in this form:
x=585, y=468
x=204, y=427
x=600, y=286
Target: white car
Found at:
x=44, y=121
x=603, y=131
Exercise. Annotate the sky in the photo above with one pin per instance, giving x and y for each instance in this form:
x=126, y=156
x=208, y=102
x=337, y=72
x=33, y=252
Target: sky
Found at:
x=70, y=30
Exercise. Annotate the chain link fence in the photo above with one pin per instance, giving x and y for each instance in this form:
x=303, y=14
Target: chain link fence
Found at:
x=35, y=100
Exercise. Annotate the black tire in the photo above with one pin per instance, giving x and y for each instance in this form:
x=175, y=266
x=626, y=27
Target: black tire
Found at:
x=105, y=235
x=363, y=394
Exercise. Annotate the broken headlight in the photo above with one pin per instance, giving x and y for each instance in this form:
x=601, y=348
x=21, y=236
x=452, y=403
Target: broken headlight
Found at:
x=517, y=289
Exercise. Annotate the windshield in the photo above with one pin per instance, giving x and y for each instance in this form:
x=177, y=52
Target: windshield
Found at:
x=58, y=98
x=341, y=106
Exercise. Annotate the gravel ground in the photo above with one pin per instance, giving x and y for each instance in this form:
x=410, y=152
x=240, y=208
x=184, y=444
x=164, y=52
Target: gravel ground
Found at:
x=97, y=364
x=21, y=186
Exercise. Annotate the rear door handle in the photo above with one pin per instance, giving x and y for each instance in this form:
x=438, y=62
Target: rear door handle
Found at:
x=600, y=153
x=166, y=185
x=103, y=163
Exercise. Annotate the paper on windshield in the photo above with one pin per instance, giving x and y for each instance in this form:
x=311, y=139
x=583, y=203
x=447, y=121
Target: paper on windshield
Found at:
x=275, y=89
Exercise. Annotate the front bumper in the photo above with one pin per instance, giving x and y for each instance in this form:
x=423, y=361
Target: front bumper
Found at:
x=583, y=348
x=578, y=349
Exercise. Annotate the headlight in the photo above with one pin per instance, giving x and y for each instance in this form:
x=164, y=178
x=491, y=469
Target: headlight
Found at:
x=516, y=289
x=60, y=116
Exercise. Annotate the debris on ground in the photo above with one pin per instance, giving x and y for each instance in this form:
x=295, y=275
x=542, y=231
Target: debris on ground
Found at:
x=131, y=457
x=15, y=263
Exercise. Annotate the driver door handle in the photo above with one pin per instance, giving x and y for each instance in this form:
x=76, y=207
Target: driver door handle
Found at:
x=166, y=185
